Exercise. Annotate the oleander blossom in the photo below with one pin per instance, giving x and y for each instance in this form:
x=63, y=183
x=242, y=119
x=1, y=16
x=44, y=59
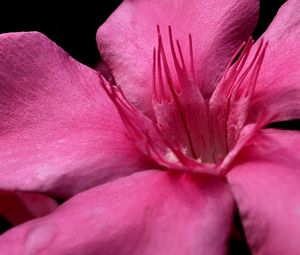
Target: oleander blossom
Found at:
x=156, y=155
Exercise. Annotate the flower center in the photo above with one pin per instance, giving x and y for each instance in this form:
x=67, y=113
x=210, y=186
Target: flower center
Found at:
x=187, y=131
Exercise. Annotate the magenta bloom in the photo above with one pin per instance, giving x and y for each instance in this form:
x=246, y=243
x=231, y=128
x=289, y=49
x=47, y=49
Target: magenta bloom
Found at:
x=168, y=149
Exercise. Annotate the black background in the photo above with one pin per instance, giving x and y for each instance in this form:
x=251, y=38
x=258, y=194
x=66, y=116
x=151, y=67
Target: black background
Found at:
x=73, y=25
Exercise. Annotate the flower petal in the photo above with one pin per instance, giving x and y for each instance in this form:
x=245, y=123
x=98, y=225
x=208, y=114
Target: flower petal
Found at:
x=127, y=38
x=152, y=212
x=278, y=85
x=265, y=183
x=59, y=132
x=19, y=207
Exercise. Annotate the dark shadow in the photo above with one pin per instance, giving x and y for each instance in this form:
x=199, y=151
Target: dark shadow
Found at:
x=4, y=225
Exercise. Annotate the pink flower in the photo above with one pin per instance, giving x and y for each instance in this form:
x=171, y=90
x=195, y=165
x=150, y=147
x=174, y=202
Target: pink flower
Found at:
x=183, y=125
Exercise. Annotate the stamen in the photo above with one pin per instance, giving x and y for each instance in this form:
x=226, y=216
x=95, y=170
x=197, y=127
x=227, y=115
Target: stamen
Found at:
x=241, y=90
x=172, y=89
x=161, y=83
x=145, y=133
x=175, y=60
x=186, y=132
x=184, y=70
x=252, y=71
x=237, y=67
x=231, y=98
x=154, y=77
x=192, y=56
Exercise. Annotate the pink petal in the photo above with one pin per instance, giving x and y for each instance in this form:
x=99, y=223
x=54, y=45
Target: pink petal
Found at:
x=59, y=132
x=278, y=86
x=127, y=38
x=147, y=213
x=265, y=183
x=19, y=207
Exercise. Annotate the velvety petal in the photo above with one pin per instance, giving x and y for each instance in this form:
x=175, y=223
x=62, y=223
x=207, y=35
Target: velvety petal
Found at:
x=59, y=131
x=265, y=182
x=151, y=212
x=17, y=207
x=278, y=86
x=127, y=38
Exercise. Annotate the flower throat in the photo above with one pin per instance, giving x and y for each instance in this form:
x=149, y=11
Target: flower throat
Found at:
x=187, y=131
